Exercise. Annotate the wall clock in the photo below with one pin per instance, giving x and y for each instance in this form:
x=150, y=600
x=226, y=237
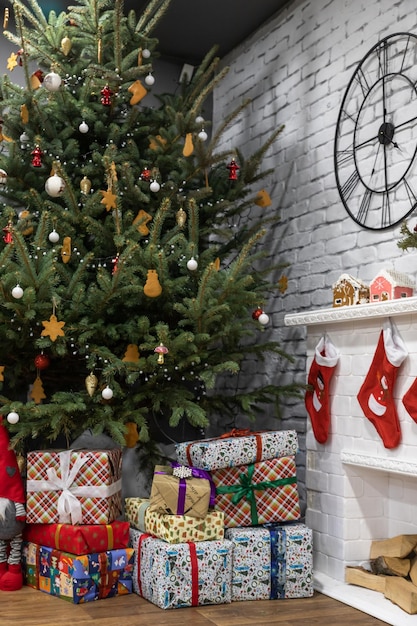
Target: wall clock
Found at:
x=375, y=149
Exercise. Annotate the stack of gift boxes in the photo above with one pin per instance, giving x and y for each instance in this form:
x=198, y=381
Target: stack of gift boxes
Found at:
x=75, y=547
x=222, y=524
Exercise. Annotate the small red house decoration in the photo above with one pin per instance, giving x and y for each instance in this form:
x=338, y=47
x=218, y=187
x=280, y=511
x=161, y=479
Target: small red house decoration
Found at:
x=348, y=290
x=390, y=285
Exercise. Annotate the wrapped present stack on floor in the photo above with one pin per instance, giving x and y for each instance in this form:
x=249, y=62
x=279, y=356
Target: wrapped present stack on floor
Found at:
x=255, y=477
x=75, y=546
x=182, y=558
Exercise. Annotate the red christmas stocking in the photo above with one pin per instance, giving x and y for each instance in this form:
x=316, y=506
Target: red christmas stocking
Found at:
x=376, y=396
x=410, y=401
x=317, y=397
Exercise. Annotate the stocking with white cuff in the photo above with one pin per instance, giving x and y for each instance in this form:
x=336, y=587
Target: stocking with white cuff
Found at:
x=317, y=396
x=376, y=395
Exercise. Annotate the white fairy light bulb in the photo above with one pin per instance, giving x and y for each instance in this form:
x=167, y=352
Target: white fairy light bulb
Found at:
x=55, y=186
x=146, y=53
x=192, y=264
x=263, y=319
x=154, y=186
x=149, y=79
x=53, y=236
x=13, y=417
x=107, y=393
x=17, y=292
x=83, y=128
x=52, y=81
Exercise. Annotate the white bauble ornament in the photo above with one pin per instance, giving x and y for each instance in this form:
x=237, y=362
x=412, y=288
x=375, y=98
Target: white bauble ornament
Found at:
x=192, y=264
x=53, y=236
x=107, y=393
x=83, y=128
x=52, y=81
x=3, y=178
x=13, y=417
x=202, y=135
x=146, y=53
x=55, y=186
x=199, y=119
x=24, y=140
x=263, y=319
x=149, y=80
x=17, y=292
x=154, y=186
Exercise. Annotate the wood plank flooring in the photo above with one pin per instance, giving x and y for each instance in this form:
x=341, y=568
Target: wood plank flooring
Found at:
x=29, y=607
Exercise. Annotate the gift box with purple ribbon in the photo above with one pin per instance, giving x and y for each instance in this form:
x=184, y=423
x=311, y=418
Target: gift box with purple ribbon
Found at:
x=180, y=490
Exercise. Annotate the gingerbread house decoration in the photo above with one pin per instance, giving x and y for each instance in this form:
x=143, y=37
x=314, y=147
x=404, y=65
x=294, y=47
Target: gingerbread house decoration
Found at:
x=390, y=285
x=348, y=290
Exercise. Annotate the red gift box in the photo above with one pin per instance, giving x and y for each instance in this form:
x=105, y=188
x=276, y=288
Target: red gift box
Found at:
x=73, y=486
x=81, y=539
x=258, y=493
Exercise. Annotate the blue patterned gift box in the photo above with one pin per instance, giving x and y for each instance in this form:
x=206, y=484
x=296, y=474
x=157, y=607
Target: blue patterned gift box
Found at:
x=273, y=561
x=78, y=578
x=173, y=576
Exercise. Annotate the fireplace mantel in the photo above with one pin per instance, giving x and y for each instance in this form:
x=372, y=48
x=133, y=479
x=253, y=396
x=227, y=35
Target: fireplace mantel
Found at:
x=358, y=490
x=388, y=308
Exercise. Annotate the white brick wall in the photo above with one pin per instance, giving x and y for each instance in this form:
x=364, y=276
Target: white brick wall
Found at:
x=296, y=69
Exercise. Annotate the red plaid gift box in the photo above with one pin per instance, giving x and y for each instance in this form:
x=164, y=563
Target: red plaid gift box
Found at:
x=258, y=493
x=73, y=486
x=79, y=539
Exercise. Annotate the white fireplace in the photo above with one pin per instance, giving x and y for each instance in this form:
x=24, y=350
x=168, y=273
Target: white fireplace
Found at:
x=357, y=490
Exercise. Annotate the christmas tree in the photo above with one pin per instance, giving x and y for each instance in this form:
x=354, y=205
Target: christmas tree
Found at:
x=126, y=291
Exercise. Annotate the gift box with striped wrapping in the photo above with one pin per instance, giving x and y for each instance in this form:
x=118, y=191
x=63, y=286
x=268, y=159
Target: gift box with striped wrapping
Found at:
x=258, y=493
x=73, y=486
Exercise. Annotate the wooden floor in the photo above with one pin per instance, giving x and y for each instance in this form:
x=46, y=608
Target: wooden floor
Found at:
x=29, y=607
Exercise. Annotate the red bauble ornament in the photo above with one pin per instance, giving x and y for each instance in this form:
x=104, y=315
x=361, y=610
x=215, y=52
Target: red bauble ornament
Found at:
x=257, y=312
x=37, y=155
x=233, y=167
x=106, y=94
x=8, y=236
x=145, y=175
x=42, y=361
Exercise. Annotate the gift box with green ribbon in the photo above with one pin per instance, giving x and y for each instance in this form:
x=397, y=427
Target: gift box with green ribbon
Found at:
x=258, y=493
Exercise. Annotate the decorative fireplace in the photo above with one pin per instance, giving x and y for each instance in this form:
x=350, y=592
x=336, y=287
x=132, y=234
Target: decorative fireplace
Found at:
x=358, y=490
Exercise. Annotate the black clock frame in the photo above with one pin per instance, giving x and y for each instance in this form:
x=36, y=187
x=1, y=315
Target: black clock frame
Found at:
x=383, y=139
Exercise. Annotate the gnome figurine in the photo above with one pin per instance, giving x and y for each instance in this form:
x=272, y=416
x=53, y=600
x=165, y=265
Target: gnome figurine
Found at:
x=12, y=516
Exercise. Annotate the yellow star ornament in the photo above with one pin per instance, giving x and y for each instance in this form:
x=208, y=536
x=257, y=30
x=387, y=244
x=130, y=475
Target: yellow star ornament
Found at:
x=109, y=199
x=12, y=61
x=53, y=328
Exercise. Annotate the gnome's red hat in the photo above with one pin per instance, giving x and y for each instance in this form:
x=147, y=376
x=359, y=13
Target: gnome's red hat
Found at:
x=11, y=483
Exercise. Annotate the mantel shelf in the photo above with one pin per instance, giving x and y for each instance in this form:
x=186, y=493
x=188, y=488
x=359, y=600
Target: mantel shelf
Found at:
x=393, y=466
x=389, y=308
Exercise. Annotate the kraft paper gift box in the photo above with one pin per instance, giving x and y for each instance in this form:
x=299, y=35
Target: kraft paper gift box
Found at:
x=258, y=493
x=174, y=528
x=78, y=578
x=238, y=447
x=80, y=539
x=272, y=562
x=181, y=491
x=180, y=575
x=73, y=486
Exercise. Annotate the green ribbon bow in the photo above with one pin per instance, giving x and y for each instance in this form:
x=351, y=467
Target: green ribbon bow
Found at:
x=245, y=489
